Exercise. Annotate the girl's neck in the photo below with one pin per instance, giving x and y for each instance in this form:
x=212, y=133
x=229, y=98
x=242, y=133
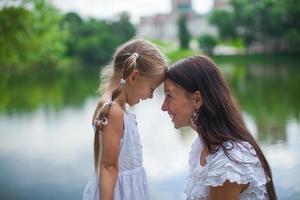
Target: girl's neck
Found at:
x=114, y=84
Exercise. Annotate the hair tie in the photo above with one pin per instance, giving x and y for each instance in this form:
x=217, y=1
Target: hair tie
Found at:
x=136, y=55
x=102, y=121
x=122, y=82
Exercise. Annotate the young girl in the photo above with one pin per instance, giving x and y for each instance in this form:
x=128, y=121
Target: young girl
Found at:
x=225, y=161
x=138, y=68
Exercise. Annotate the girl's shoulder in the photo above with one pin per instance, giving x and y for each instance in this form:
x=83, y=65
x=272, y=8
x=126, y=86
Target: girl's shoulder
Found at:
x=114, y=121
x=115, y=113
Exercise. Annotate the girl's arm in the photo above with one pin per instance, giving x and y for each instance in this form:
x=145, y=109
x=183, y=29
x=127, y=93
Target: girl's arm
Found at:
x=228, y=191
x=112, y=134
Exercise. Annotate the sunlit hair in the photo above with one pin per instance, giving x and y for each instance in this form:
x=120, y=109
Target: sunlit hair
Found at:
x=136, y=54
x=219, y=119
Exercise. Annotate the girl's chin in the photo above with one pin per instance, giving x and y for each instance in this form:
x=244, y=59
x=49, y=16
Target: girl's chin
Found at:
x=133, y=103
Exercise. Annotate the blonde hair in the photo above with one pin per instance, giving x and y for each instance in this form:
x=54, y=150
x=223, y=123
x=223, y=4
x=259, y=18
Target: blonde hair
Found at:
x=135, y=54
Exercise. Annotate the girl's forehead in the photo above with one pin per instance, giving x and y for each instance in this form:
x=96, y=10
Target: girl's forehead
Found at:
x=157, y=80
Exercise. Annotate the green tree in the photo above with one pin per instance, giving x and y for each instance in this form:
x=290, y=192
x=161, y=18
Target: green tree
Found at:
x=15, y=35
x=93, y=41
x=96, y=43
x=225, y=22
x=268, y=20
x=122, y=28
x=292, y=25
x=30, y=34
x=72, y=22
x=207, y=43
x=183, y=33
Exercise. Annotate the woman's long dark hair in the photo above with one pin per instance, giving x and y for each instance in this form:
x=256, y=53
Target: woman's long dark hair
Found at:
x=219, y=119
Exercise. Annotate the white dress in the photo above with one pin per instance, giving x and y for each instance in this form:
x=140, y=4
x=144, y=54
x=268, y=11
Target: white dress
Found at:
x=220, y=168
x=132, y=181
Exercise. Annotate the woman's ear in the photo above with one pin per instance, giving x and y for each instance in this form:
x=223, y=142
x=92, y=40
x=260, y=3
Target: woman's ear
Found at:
x=197, y=99
x=132, y=76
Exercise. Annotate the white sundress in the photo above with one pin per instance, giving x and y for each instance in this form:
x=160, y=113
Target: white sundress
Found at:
x=132, y=182
x=220, y=168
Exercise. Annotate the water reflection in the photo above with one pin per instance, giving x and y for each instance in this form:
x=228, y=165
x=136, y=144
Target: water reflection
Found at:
x=285, y=162
x=46, y=137
x=25, y=92
x=44, y=155
x=269, y=93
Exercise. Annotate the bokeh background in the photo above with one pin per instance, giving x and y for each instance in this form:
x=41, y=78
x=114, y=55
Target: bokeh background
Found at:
x=51, y=53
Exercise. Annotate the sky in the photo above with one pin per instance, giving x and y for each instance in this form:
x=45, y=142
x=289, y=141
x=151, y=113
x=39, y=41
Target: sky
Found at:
x=136, y=8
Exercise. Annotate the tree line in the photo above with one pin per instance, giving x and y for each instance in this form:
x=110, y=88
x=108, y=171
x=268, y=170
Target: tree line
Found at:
x=34, y=32
x=271, y=24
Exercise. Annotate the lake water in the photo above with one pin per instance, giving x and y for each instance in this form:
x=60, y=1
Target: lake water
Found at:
x=46, y=135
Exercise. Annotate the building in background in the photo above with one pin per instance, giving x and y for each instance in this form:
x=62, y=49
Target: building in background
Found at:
x=164, y=26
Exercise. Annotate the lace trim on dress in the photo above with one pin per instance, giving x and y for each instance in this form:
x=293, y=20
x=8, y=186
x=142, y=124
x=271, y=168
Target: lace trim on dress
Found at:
x=220, y=168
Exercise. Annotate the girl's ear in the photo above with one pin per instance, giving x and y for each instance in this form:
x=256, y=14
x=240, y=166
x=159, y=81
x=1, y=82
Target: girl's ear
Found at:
x=132, y=76
x=197, y=99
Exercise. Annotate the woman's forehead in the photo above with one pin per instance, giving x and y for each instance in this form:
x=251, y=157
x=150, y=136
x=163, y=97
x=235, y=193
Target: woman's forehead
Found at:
x=170, y=86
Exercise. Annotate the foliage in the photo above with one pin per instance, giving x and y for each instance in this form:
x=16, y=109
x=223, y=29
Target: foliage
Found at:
x=30, y=34
x=224, y=21
x=94, y=41
x=50, y=88
x=268, y=20
x=33, y=32
x=272, y=23
x=183, y=33
x=207, y=43
x=72, y=22
x=179, y=54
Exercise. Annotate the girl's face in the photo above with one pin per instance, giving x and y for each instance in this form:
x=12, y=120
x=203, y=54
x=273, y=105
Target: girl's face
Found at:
x=142, y=88
x=179, y=104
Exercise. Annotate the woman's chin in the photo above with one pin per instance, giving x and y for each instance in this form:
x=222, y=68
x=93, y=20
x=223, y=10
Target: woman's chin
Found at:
x=177, y=126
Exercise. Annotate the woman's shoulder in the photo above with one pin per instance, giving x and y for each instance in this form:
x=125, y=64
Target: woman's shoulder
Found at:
x=195, y=152
x=240, y=164
x=240, y=151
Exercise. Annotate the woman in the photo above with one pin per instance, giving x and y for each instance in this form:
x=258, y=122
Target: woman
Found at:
x=225, y=160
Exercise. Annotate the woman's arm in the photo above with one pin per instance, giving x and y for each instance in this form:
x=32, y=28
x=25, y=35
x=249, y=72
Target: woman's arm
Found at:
x=228, y=191
x=112, y=134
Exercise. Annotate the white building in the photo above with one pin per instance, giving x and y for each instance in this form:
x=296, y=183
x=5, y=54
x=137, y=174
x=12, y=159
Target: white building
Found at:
x=164, y=26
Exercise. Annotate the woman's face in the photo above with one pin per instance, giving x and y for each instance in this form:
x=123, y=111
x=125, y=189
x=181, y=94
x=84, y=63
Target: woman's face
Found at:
x=178, y=103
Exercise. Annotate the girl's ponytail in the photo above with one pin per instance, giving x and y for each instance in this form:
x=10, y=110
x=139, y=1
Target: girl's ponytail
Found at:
x=101, y=113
